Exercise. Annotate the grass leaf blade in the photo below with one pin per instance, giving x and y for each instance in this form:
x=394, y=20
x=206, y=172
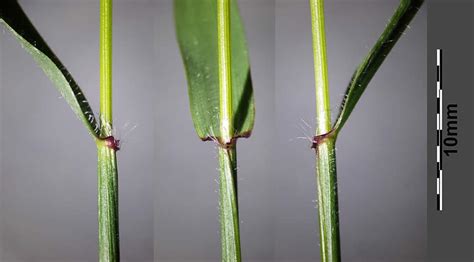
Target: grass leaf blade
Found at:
x=369, y=66
x=196, y=28
x=16, y=21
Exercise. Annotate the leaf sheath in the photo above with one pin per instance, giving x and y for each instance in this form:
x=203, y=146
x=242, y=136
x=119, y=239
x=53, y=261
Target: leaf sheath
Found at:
x=109, y=249
x=108, y=215
x=328, y=208
x=228, y=202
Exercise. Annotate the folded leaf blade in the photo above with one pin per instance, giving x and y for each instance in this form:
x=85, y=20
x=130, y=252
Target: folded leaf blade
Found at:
x=371, y=63
x=196, y=27
x=16, y=21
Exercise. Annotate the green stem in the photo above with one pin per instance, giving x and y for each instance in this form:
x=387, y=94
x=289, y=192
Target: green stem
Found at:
x=230, y=236
x=325, y=151
x=109, y=249
x=106, y=61
x=320, y=67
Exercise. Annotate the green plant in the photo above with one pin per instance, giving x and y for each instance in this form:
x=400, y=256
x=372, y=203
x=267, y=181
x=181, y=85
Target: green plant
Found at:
x=324, y=141
x=212, y=42
x=16, y=21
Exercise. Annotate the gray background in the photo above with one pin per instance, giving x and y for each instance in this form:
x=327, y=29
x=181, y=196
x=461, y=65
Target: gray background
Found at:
x=168, y=188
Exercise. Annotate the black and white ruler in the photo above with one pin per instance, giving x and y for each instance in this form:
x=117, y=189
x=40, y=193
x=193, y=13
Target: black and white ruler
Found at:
x=439, y=131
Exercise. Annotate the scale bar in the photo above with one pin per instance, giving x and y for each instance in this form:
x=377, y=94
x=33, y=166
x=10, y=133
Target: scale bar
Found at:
x=439, y=132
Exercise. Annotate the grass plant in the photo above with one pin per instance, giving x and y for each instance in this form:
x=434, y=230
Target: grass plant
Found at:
x=16, y=21
x=325, y=139
x=212, y=42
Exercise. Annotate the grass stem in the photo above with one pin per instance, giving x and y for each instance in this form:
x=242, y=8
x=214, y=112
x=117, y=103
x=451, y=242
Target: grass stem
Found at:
x=109, y=249
x=320, y=67
x=325, y=149
x=230, y=236
x=106, y=62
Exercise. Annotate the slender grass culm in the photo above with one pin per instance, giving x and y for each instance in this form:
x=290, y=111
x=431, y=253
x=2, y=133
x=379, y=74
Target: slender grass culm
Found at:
x=230, y=234
x=325, y=139
x=109, y=249
x=16, y=21
x=212, y=43
x=325, y=151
